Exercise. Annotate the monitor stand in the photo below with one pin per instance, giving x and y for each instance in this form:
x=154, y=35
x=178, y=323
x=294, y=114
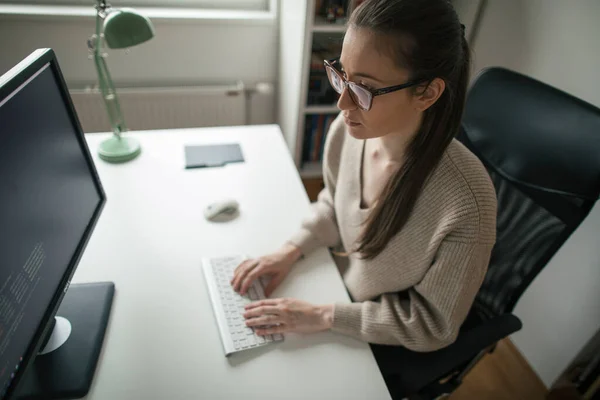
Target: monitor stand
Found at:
x=65, y=366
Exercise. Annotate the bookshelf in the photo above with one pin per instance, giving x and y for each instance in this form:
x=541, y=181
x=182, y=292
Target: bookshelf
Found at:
x=307, y=103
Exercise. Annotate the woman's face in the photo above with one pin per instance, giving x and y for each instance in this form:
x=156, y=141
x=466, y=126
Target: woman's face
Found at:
x=398, y=112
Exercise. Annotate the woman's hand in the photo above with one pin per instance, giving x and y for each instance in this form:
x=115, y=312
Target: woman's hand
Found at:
x=277, y=265
x=288, y=315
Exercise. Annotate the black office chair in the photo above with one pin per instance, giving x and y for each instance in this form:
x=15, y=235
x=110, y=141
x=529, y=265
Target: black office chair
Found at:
x=541, y=147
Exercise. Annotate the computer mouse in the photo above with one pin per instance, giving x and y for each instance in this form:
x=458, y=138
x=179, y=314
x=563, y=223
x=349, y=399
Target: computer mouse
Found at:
x=220, y=210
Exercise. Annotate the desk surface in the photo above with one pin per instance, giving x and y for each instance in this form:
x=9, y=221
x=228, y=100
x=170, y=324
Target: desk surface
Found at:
x=162, y=341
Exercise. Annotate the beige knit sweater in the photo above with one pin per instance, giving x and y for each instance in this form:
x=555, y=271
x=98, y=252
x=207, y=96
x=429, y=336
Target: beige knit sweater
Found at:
x=418, y=291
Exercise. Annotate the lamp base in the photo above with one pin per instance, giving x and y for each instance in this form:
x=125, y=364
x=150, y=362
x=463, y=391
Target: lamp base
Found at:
x=118, y=149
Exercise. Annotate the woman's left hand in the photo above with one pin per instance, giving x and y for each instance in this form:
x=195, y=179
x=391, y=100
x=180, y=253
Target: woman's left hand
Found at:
x=272, y=316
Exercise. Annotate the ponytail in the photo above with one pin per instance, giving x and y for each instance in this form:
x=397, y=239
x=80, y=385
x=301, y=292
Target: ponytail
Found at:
x=439, y=49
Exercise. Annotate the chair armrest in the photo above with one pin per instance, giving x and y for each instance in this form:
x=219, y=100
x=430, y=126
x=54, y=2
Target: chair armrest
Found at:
x=485, y=333
x=430, y=367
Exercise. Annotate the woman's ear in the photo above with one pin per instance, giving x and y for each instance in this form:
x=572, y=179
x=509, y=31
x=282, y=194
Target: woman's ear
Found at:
x=430, y=94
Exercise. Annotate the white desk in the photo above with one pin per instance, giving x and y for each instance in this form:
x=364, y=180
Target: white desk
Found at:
x=162, y=341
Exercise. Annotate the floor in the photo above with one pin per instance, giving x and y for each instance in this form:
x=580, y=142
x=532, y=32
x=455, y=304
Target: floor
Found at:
x=502, y=375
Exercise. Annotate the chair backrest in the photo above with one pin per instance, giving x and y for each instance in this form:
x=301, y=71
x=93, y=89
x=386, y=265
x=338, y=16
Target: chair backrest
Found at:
x=541, y=147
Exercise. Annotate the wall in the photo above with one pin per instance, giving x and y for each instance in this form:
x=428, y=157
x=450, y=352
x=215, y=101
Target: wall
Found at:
x=184, y=51
x=555, y=41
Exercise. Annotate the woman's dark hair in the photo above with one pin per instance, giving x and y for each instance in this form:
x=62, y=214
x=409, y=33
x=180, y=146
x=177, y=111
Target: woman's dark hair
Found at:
x=426, y=38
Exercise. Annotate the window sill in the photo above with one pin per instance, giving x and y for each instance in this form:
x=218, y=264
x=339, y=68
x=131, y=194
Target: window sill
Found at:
x=154, y=13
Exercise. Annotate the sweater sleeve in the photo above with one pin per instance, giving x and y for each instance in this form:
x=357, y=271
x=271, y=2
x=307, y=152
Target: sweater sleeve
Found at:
x=321, y=227
x=427, y=316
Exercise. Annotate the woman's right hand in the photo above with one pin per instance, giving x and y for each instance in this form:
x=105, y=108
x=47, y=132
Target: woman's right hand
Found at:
x=276, y=265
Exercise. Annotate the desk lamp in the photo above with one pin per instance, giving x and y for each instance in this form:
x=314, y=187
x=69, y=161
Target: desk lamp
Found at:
x=119, y=28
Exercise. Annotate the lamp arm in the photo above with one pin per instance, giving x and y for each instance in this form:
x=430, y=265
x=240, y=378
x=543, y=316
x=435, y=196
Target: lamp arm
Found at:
x=107, y=89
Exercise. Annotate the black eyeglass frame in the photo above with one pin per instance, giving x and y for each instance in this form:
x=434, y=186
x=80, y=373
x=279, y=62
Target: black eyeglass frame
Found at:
x=374, y=92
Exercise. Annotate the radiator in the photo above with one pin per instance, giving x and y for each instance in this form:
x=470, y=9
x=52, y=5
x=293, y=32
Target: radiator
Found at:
x=173, y=107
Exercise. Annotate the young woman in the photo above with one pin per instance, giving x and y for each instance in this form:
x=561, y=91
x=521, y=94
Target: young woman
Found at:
x=413, y=210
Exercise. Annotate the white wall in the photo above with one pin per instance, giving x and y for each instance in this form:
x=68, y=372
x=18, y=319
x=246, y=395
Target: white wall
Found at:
x=184, y=51
x=557, y=42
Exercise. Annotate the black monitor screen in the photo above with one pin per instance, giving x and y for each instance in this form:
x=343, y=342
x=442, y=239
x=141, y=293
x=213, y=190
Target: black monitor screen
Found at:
x=48, y=198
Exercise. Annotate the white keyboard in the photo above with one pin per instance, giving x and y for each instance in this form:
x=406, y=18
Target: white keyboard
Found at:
x=228, y=306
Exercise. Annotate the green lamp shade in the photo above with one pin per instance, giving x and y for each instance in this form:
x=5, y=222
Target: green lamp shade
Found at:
x=125, y=27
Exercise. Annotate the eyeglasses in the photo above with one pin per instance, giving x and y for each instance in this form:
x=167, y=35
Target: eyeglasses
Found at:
x=362, y=96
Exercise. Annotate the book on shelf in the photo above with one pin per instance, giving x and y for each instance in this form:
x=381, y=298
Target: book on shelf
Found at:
x=335, y=11
x=316, y=61
x=320, y=91
x=316, y=129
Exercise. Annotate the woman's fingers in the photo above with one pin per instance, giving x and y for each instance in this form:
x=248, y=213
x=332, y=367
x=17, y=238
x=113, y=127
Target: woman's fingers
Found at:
x=237, y=271
x=241, y=272
x=262, y=310
x=282, y=328
x=265, y=302
x=268, y=319
x=250, y=277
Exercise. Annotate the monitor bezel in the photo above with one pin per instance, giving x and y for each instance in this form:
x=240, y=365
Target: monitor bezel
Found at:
x=9, y=83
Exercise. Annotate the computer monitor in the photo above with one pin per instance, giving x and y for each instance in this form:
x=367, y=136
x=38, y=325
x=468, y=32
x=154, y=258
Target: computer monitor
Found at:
x=50, y=200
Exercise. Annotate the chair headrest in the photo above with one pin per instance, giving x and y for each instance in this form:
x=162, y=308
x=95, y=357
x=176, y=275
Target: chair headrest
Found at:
x=534, y=134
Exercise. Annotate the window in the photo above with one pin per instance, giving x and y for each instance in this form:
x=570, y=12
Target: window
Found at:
x=248, y=5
